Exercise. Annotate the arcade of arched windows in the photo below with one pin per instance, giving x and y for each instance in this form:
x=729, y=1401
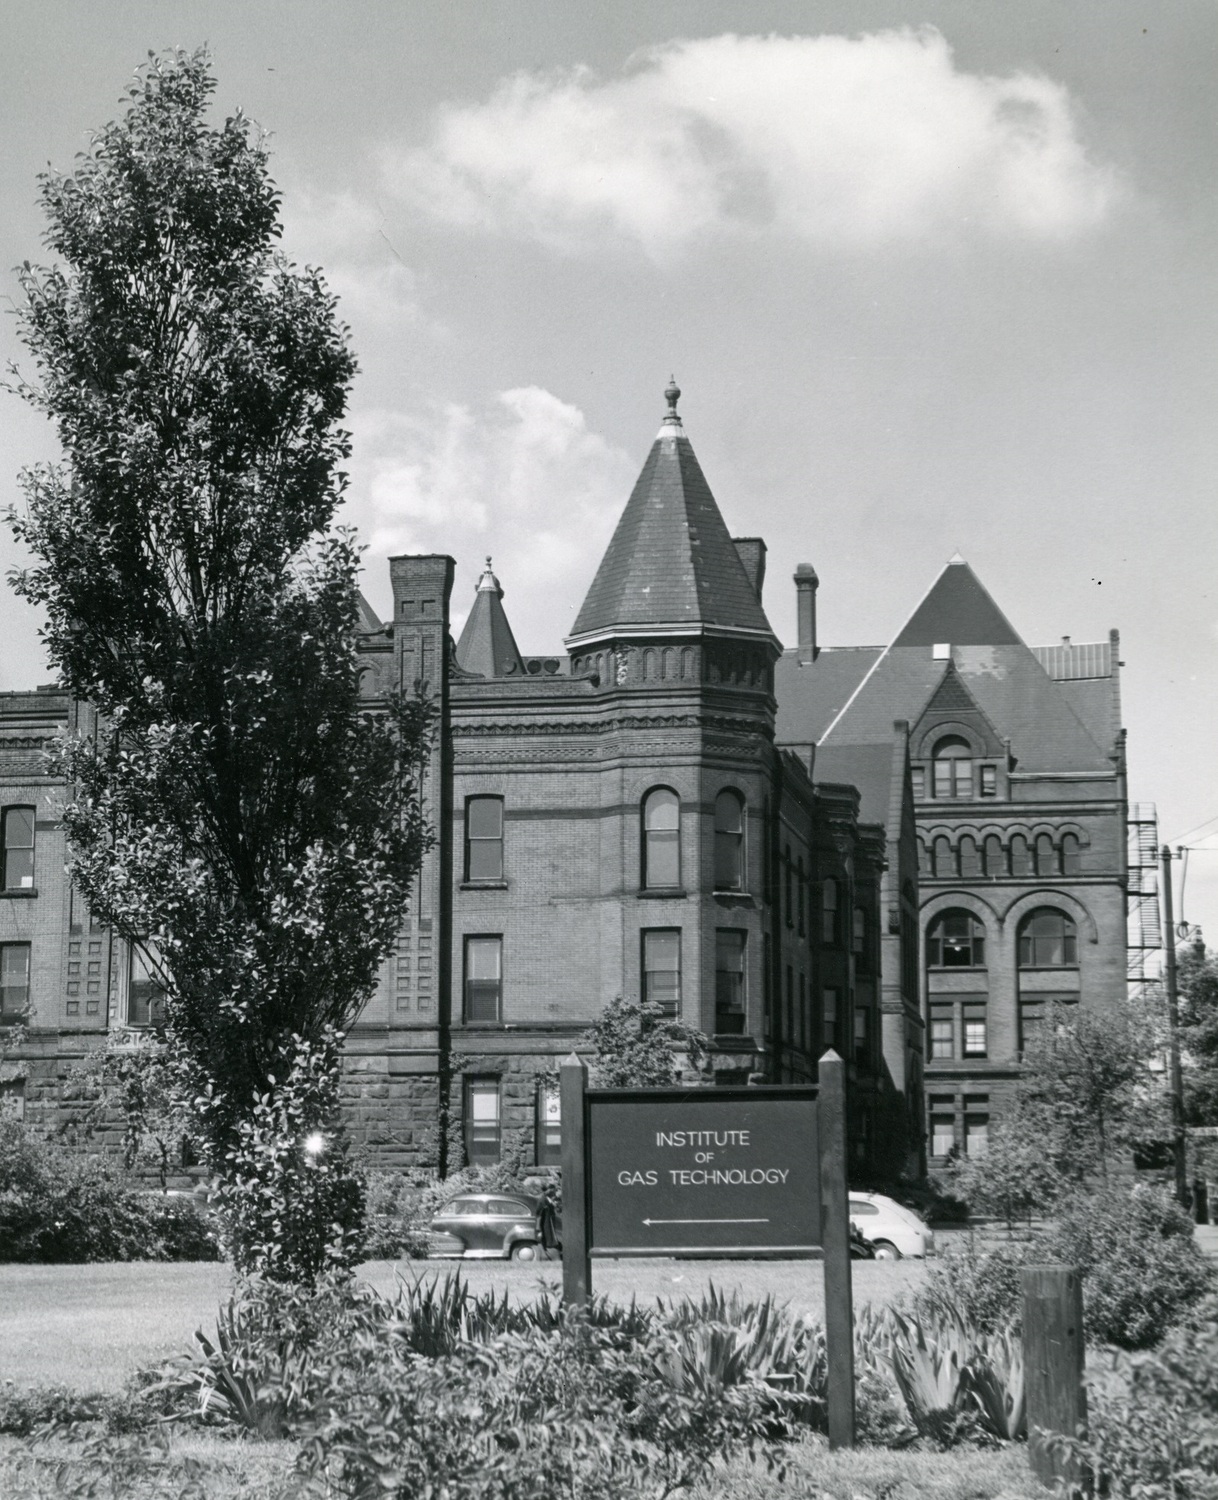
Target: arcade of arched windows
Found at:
x=734, y=666
x=987, y=854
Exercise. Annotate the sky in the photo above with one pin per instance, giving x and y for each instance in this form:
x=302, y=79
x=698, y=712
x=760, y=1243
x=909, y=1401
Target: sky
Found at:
x=931, y=278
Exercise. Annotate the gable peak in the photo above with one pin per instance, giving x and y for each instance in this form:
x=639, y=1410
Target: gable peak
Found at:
x=958, y=611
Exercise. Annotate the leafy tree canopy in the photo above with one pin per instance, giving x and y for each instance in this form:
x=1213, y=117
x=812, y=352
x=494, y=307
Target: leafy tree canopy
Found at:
x=639, y=1046
x=237, y=812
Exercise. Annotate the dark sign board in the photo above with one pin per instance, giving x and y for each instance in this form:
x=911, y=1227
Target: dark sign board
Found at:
x=703, y=1171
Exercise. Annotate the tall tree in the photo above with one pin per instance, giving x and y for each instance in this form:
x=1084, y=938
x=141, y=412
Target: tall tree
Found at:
x=236, y=813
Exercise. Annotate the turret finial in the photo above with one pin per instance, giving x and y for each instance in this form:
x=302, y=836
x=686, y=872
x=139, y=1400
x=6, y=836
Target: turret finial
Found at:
x=672, y=395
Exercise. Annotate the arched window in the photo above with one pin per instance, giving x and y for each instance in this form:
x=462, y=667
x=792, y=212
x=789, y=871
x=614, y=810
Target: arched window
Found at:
x=729, y=842
x=1048, y=940
x=1046, y=857
x=1021, y=855
x=995, y=856
x=945, y=858
x=970, y=856
x=955, y=940
x=1072, y=859
x=924, y=865
x=661, y=840
x=953, y=762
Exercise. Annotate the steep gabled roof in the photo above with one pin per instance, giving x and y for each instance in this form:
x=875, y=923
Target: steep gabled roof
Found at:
x=980, y=662
x=671, y=560
x=959, y=611
x=487, y=645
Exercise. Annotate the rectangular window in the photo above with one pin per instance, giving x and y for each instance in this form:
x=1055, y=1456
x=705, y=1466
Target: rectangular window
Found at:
x=942, y=1134
x=17, y=837
x=482, y=1121
x=862, y=1036
x=549, y=1127
x=14, y=980
x=1031, y=1018
x=974, y=1032
x=729, y=981
x=484, y=979
x=767, y=986
x=829, y=1018
x=804, y=1021
x=484, y=838
x=828, y=912
x=662, y=968
x=976, y=1126
x=942, y=1042
x=944, y=780
x=858, y=935
x=989, y=781
x=917, y=776
x=789, y=1032
x=145, y=992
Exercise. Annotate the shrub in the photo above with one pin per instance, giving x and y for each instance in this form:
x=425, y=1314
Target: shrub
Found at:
x=1153, y=1418
x=1142, y=1267
x=545, y=1413
x=60, y=1206
x=981, y=1287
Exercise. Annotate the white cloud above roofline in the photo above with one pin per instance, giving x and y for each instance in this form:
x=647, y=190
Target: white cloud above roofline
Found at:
x=844, y=143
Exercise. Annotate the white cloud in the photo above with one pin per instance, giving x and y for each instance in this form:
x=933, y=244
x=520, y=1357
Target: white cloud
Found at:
x=524, y=480
x=840, y=141
x=347, y=236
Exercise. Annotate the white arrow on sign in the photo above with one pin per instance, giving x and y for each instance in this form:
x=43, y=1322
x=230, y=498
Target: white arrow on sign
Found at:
x=706, y=1221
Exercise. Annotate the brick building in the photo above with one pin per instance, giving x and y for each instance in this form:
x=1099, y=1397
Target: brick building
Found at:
x=617, y=821
x=1018, y=771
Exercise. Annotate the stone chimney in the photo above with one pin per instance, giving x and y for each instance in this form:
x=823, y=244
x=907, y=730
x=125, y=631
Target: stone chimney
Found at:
x=806, y=584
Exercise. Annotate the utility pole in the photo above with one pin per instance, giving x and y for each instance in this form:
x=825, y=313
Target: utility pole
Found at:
x=1173, y=1032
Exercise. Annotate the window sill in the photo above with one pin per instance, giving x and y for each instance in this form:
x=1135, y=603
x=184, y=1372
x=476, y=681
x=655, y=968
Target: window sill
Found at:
x=483, y=885
x=19, y=893
x=957, y=968
x=663, y=893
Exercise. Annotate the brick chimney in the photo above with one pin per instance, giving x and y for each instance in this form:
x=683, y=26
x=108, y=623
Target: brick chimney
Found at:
x=806, y=584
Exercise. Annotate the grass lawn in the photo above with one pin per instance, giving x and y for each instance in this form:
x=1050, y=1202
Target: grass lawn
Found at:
x=88, y=1327
x=245, y=1470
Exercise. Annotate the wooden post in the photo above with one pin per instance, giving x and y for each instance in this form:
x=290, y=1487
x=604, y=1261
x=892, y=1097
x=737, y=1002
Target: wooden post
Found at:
x=576, y=1267
x=835, y=1240
x=1053, y=1347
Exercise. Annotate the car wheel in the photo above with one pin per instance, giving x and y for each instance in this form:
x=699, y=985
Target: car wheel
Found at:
x=524, y=1251
x=885, y=1250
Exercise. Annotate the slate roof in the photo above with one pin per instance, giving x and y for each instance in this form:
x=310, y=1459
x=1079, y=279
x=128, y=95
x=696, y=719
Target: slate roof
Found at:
x=833, y=702
x=867, y=767
x=367, y=621
x=811, y=694
x=487, y=645
x=959, y=610
x=671, y=560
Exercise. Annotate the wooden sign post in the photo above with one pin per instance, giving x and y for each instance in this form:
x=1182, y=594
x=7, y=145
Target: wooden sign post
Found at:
x=714, y=1172
x=576, y=1269
x=1053, y=1347
x=835, y=1240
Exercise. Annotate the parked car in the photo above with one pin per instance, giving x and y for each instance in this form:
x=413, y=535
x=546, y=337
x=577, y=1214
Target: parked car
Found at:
x=889, y=1228
x=486, y=1226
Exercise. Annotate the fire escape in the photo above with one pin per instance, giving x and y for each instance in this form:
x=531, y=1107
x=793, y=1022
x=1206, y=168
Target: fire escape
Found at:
x=1144, y=928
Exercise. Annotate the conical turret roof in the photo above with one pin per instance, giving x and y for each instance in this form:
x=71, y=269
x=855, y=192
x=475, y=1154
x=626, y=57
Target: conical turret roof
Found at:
x=671, y=561
x=487, y=645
